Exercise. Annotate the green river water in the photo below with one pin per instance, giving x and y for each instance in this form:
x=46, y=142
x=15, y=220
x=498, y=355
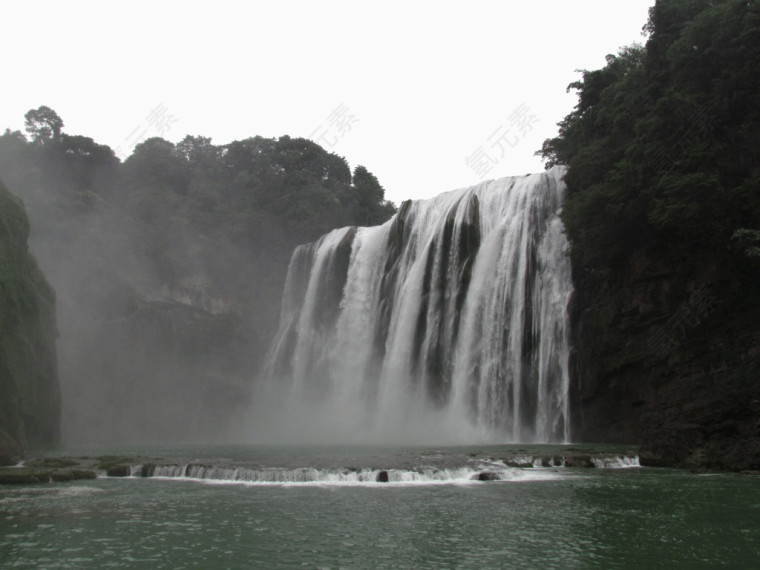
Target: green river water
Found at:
x=551, y=517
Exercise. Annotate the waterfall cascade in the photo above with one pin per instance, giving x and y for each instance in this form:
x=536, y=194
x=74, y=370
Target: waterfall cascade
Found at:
x=447, y=324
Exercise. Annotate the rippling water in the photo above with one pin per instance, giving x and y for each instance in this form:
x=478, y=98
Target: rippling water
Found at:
x=547, y=518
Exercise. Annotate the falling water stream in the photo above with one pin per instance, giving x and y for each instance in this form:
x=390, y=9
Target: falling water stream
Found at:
x=446, y=324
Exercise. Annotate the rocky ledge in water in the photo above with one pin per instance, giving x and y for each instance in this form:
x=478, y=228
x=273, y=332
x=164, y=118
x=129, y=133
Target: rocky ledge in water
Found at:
x=484, y=464
x=573, y=457
x=61, y=469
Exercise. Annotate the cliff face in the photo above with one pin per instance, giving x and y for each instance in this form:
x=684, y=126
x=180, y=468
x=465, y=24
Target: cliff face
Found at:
x=666, y=356
x=29, y=391
x=196, y=356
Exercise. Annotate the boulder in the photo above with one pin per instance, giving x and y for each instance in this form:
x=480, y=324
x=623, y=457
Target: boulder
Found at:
x=488, y=476
x=119, y=471
x=578, y=461
x=23, y=477
x=83, y=474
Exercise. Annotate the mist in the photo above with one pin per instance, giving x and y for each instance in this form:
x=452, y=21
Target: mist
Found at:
x=204, y=295
x=169, y=267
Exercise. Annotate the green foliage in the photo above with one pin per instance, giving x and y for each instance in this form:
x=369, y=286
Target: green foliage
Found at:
x=233, y=192
x=749, y=241
x=43, y=125
x=373, y=208
x=29, y=406
x=663, y=147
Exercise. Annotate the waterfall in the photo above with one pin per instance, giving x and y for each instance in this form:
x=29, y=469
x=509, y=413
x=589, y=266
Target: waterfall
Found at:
x=447, y=324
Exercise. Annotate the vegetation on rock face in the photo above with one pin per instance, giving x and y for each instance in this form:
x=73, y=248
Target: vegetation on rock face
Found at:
x=169, y=266
x=663, y=147
x=29, y=392
x=663, y=216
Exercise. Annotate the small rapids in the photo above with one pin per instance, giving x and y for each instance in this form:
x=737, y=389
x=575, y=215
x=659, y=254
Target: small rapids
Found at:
x=338, y=477
x=517, y=469
x=616, y=462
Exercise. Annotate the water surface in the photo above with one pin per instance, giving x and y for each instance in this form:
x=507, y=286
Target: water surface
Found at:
x=550, y=518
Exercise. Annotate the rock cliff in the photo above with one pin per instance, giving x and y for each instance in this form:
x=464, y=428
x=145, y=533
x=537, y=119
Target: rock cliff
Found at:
x=29, y=391
x=666, y=356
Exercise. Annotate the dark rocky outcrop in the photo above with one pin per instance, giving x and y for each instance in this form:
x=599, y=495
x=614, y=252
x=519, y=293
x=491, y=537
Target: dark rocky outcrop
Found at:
x=119, y=471
x=488, y=476
x=24, y=477
x=62, y=476
x=29, y=390
x=579, y=461
x=32, y=475
x=382, y=477
x=197, y=354
x=667, y=357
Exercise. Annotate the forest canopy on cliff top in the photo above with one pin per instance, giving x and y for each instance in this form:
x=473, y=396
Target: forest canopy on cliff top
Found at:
x=663, y=147
x=185, y=208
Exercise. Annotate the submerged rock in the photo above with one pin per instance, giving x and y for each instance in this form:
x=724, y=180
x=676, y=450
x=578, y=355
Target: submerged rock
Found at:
x=579, y=461
x=83, y=474
x=33, y=475
x=24, y=477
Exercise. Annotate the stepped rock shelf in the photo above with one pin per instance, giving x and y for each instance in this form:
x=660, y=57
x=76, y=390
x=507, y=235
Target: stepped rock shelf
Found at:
x=475, y=467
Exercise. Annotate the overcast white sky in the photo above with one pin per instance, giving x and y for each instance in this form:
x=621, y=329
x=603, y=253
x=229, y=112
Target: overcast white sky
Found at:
x=429, y=96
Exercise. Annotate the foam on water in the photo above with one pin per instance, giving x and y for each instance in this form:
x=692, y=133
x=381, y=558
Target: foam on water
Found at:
x=345, y=477
x=621, y=462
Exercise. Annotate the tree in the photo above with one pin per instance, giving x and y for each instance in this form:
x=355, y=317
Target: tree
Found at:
x=370, y=198
x=86, y=149
x=367, y=184
x=662, y=146
x=155, y=164
x=198, y=151
x=43, y=124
